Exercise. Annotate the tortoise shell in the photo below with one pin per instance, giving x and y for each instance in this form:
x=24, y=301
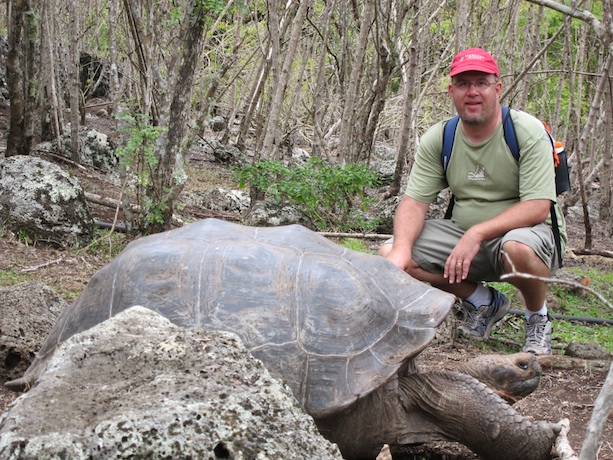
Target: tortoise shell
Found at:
x=333, y=323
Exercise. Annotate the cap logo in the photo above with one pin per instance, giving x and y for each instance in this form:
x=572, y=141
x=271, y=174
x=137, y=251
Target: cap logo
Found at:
x=472, y=56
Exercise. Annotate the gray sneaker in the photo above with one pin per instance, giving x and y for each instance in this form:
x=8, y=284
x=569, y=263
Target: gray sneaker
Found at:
x=480, y=321
x=538, y=335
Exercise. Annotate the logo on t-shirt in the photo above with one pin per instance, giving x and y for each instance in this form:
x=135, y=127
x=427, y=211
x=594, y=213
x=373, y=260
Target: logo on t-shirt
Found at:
x=477, y=175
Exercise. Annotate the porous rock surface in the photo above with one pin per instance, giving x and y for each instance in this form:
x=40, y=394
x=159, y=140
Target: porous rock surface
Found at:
x=43, y=200
x=28, y=312
x=137, y=386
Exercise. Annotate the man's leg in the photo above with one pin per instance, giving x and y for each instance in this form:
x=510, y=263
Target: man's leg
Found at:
x=523, y=259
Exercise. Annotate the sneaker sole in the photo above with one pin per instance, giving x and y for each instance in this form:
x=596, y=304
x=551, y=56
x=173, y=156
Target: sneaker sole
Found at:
x=536, y=351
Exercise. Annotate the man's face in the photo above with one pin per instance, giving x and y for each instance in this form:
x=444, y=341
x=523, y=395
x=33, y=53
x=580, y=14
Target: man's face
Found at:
x=475, y=96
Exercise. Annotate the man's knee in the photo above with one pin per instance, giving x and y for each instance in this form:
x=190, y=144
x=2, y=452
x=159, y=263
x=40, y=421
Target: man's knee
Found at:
x=522, y=257
x=518, y=251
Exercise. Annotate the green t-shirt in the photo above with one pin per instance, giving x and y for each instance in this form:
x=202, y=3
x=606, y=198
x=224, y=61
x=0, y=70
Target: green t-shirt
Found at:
x=484, y=177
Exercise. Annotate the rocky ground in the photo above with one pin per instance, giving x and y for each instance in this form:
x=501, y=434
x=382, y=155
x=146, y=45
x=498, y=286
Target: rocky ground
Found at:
x=563, y=393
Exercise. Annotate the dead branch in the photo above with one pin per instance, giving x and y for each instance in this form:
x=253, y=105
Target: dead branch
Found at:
x=602, y=409
x=43, y=265
x=106, y=201
x=592, y=252
x=569, y=362
x=515, y=274
x=562, y=447
x=374, y=236
x=61, y=158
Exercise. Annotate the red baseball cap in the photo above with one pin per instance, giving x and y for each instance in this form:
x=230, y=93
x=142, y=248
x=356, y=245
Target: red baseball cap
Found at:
x=474, y=59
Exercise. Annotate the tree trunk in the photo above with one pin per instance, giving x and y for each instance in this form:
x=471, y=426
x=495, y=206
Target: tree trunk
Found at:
x=48, y=78
x=114, y=84
x=272, y=137
x=318, y=109
x=352, y=91
x=20, y=78
x=606, y=180
x=74, y=84
x=172, y=145
x=407, y=116
x=142, y=37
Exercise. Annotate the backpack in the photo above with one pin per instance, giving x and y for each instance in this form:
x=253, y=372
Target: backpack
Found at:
x=558, y=156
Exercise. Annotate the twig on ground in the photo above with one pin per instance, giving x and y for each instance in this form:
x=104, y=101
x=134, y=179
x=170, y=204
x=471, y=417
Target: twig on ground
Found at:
x=562, y=447
x=592, y=252
x=43, y=265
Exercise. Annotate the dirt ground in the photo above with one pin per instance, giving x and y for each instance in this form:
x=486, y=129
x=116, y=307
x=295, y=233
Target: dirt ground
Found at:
x=563, y=392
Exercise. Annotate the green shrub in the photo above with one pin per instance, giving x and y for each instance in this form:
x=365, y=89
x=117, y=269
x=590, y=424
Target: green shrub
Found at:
x=333, y=196
x=138, y=166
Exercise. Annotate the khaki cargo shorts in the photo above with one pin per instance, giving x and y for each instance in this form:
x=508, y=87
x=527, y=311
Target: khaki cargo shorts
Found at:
x=440, y=236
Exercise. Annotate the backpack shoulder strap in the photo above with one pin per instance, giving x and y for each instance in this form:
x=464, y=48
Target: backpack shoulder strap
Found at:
x=509, y=132
x=511, y=139
x=448, y=138
x=450, y=129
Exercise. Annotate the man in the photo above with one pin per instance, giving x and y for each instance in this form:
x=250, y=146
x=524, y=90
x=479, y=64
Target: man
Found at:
x=500, y=216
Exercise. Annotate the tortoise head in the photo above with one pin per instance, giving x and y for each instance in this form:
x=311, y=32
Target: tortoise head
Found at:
x=512, y=377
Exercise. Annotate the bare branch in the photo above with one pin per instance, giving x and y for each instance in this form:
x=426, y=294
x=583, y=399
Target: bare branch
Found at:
x=583, y=15
x=515, y=274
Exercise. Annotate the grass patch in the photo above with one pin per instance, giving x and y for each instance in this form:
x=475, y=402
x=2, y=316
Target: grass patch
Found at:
x=571, y=301
x=356, y=244
x=107, y=244
x=11, y=277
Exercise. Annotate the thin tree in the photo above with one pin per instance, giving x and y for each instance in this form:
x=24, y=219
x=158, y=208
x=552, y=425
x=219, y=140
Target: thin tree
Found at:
x=74, y=82
x=352, y=90
x=272, y=137
x=408, y=72
x=20, y=76
x=171, y=147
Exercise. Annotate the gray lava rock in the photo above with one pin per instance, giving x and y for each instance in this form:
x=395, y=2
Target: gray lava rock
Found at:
x=28, y=312
x=137, y=386
x=269, y=214
x=43, y=200
x=586, y=351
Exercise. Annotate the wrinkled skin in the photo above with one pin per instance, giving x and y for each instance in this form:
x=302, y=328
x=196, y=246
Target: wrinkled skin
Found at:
x=449, y=405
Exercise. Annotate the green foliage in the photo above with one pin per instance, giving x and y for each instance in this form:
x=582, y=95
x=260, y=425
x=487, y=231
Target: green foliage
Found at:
x=356, y=245
x=176, y=14
x=11, y=277
x=107, y=243
x=571, y=301
x=26, y=237
x=331, y=195
x=137, y=162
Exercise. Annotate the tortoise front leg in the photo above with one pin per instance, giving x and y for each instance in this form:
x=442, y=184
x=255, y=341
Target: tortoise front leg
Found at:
x=468, y=412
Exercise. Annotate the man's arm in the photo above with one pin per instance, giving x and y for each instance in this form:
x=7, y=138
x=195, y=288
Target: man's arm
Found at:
x=408, y=223
x=524, y=214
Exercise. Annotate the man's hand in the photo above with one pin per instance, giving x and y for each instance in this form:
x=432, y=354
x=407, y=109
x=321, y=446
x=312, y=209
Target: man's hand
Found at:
x=523, y=214
x=458, y=263
x=400, y=257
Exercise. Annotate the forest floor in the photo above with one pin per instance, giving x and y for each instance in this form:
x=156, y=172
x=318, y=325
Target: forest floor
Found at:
x=563, y=392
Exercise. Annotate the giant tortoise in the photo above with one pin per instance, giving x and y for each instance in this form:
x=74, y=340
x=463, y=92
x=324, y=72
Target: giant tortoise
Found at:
x=340, y=327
